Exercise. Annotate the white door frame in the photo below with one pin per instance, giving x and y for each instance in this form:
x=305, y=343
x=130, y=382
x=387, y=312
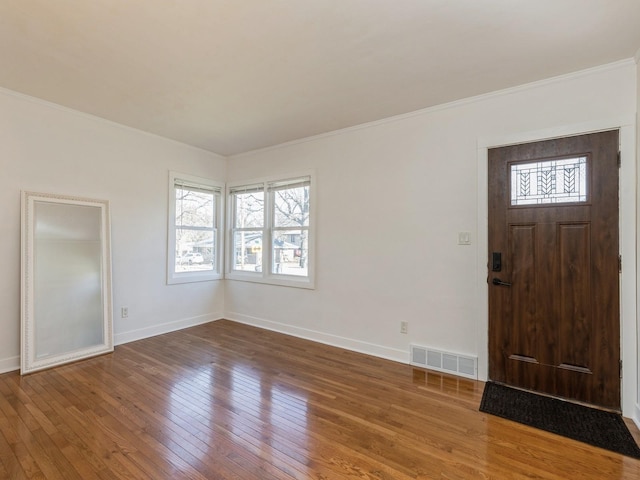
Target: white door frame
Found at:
x=628, y=230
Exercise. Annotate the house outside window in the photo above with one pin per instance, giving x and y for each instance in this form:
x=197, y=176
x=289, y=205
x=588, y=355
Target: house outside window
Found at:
x=270, y=231
x=195, y=238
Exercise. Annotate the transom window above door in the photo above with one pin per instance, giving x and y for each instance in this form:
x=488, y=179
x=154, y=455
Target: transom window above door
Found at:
x=549, y=181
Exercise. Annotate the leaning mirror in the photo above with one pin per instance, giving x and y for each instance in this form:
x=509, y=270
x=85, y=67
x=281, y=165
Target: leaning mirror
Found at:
x=66, y=280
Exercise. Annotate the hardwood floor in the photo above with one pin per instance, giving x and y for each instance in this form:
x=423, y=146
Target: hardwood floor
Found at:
x=224, y=400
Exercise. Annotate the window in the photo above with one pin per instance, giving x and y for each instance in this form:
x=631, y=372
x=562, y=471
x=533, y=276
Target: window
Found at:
x=552, y=181
x=248, y=227
x=270, y=232
x=195, y=239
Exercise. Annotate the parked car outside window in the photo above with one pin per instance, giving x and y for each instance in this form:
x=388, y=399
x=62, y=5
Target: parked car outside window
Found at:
x=191, y=258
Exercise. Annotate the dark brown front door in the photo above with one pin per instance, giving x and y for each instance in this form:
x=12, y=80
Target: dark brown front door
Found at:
x=554, y=315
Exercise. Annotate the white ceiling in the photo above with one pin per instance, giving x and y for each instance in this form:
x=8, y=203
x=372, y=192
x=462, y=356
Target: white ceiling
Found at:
x=235, y=75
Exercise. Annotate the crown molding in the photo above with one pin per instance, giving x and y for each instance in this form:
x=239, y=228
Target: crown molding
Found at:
x=56, y=106
x=445, y=106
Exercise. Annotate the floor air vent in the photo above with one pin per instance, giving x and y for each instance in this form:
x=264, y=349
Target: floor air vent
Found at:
x=447, y=362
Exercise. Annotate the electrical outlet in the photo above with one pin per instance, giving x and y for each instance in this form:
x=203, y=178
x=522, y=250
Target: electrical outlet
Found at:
x=404, y=327
x=124, y=312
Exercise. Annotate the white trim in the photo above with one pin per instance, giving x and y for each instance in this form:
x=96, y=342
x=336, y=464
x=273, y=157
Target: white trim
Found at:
x=366, y=348
x=265, y=276
x=556, y=132
x=174, y=277
x=628, y=306
x=29, y=359
x=154, y=330
x=10, y=364
x=425, y=111
x=628, y=277
x=482, y=246
x=445, y=106
x=288, y=281
x=95, y=118
x=636, y=416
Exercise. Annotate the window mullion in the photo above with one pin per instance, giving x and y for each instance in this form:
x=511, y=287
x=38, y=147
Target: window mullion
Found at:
x=195, y=228
x=277, y=243
x=280, y=229
x=247, y=229
x=268, y=233
x=195, y=213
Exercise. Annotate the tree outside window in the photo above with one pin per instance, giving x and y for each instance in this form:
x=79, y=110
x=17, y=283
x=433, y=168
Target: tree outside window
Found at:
x=194, y=245
x=270, y=230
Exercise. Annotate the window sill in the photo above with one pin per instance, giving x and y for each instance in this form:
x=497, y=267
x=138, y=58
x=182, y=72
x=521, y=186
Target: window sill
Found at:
x=179, y=278
x=277, y=280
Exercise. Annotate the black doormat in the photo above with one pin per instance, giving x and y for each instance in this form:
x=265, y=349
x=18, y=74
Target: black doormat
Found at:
x=589, y=425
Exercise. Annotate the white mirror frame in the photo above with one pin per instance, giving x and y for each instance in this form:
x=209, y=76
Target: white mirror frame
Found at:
x=30, y=360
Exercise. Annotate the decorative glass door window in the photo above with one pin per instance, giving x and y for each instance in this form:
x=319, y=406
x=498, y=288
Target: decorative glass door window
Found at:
x=550, y=181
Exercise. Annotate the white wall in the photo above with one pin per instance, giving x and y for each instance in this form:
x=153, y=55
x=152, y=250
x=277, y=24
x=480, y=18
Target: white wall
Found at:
x=392, y=197
x=45, y=148
x=637, y=244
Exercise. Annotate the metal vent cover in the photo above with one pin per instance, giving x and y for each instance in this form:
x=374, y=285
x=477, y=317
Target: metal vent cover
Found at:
x=447, y=362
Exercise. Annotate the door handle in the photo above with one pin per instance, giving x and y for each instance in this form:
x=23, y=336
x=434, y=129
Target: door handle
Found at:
x=497, y=281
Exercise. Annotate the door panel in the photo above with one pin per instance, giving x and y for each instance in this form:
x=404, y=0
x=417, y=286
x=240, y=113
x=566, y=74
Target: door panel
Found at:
x=574, y=266
x=554, y=323
x=523, y=252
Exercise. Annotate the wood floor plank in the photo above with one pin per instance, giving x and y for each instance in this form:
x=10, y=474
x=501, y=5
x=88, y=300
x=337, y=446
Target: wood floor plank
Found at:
x=9, y=464
x=229, y=401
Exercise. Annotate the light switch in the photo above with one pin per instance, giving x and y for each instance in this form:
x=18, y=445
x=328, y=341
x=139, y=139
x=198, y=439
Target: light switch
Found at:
x=464, y=238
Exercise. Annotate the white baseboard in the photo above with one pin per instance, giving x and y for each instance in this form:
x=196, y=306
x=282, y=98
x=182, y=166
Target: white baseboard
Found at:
x=152, y=331
x=636, y=415
x=9, y=364
x=381, y=351
x=13, y=363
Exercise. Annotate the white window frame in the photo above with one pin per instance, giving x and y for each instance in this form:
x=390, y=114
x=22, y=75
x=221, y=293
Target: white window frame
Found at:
x=218, y=189
x=268, y=229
